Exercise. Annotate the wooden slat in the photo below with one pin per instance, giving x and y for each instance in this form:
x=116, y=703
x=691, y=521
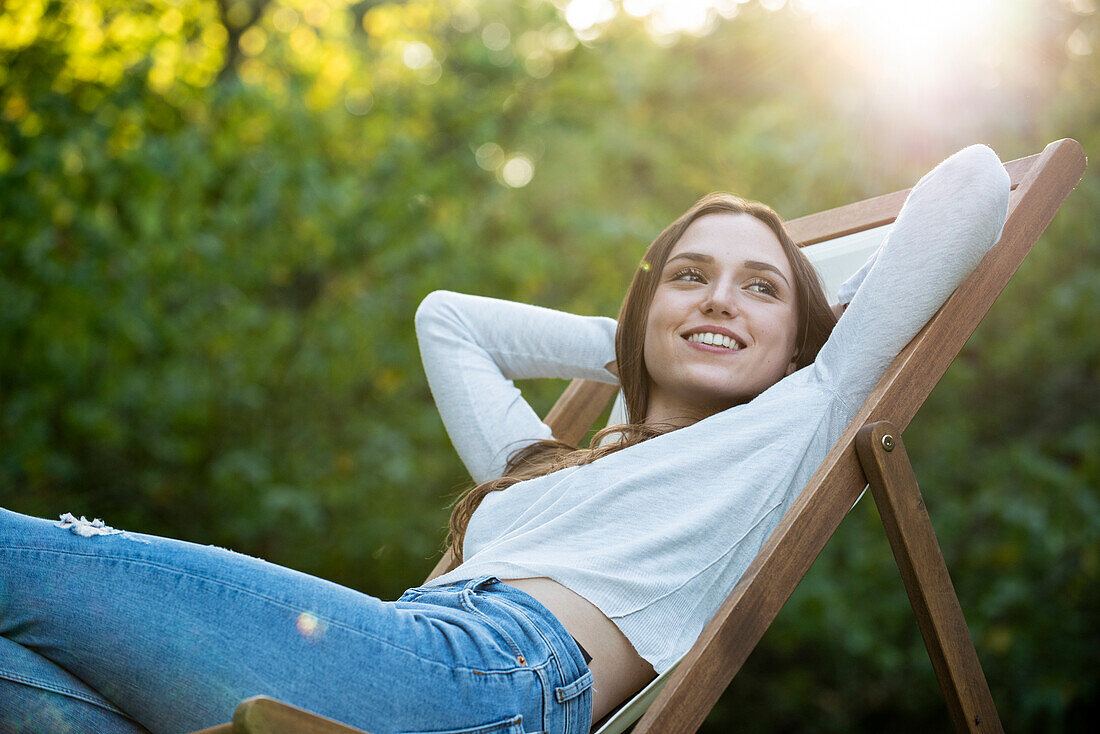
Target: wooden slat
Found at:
x=813, y=517
x=578, y=408
x=262, y=715
x=927, y=581
x=874, y=212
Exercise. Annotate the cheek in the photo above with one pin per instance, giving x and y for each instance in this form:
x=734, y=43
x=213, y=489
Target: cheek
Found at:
x=653, y=330
x=783, y=333
x=651, y=348
x=791, y=328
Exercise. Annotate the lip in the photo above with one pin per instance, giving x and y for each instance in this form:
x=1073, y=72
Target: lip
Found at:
x=714, y=330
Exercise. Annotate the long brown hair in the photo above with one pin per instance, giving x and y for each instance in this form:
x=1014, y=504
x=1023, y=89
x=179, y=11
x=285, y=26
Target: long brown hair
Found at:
x=815, y=322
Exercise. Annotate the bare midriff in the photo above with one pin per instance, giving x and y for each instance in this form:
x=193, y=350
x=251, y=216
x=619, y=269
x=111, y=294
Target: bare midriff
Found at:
x=618, y=671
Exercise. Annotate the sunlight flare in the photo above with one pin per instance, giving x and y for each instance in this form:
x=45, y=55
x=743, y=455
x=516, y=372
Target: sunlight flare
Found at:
x=915, y=43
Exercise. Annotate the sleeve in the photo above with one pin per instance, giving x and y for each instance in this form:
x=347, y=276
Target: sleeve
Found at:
x=473, y=347
x=951, y=218
x=849, y=287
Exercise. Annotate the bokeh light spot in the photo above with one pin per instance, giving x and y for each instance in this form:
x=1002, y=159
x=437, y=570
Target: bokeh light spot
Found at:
x=430, y=73
x=239, y=14
x=358, y=101
x=1078, y=43
x=285, y=19
x=214, y=36
x=303, y=40
x=560, y=39
x=417, y=55
x=14, y=108
x=171, y=22
x=539, y=64
x=316, y=13
x=253, y=41
x=72, y=162
x=689, y=16
x=496, y=36
x=582, y=15
x=489, y=156
x=252, y=72
x=309, y=626
x=517, y=171
x=464, y=19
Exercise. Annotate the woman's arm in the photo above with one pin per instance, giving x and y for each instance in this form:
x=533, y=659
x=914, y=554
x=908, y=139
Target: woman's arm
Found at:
x=952, y=217
x=473, y=347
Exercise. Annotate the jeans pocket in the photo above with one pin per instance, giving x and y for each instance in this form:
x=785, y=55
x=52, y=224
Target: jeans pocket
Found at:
x=511, y=725
x=468, y=600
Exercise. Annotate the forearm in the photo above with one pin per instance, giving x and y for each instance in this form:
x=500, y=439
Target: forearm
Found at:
x=473, y=347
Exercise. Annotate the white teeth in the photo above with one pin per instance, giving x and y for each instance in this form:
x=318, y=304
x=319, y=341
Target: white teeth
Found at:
x=720, y=340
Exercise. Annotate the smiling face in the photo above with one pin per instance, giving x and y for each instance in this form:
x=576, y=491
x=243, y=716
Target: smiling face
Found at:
x=723, y=323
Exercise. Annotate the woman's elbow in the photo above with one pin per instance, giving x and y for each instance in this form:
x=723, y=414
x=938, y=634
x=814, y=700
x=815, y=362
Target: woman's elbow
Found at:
x=433, y=310
x=984, y=173
x=985, y=184
x=993, y=186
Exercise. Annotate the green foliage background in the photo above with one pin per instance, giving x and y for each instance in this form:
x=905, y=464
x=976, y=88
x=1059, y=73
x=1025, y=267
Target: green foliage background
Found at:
x=217, y=219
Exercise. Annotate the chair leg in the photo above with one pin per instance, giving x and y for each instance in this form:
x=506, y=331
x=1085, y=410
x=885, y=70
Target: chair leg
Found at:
x=926, y=579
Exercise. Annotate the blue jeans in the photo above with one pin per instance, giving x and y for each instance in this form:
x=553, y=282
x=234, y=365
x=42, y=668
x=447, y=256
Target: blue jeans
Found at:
x=128, y=632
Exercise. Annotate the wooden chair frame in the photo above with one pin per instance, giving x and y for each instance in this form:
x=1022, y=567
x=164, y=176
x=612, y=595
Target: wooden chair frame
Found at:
x=870, y=451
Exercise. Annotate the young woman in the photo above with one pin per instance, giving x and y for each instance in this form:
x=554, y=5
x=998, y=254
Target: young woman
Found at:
x=590, y=572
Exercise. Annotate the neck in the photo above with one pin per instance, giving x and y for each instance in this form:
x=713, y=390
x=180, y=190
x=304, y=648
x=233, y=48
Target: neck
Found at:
x=675, y=415
x=679, y=413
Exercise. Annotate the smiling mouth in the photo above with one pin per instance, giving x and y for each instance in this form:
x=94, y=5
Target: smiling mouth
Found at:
x=715, y=340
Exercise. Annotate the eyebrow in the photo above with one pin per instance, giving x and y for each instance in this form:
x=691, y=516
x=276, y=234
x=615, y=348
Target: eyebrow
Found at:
x=750, y=264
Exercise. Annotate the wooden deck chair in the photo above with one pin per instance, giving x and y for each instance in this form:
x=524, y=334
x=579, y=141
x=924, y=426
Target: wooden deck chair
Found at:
x=869, y=452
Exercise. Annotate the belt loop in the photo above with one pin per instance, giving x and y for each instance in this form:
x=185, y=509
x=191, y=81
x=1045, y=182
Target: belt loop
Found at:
x=574, y=689
x=481, y=582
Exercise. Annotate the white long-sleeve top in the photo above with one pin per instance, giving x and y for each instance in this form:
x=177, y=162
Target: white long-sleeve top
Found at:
x=657, y=534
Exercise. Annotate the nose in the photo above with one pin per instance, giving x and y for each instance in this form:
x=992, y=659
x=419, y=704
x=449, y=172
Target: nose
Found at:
x=720, y=300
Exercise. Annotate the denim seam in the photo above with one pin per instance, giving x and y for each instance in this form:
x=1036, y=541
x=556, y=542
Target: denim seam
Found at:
x=250, y=592
x=542, y=669
x=469, y=606
x=62, y=690
x=568, y=692
x=574, y=701
x=548, y=686
x=513, y=724
x=517, y=669
x=517, y=609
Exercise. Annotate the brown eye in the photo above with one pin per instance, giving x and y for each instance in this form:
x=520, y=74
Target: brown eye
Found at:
x=764, y=286
x=689, y=274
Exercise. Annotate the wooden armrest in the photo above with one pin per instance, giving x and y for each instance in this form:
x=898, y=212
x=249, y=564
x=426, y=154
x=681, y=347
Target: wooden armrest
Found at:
x=263, y=715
